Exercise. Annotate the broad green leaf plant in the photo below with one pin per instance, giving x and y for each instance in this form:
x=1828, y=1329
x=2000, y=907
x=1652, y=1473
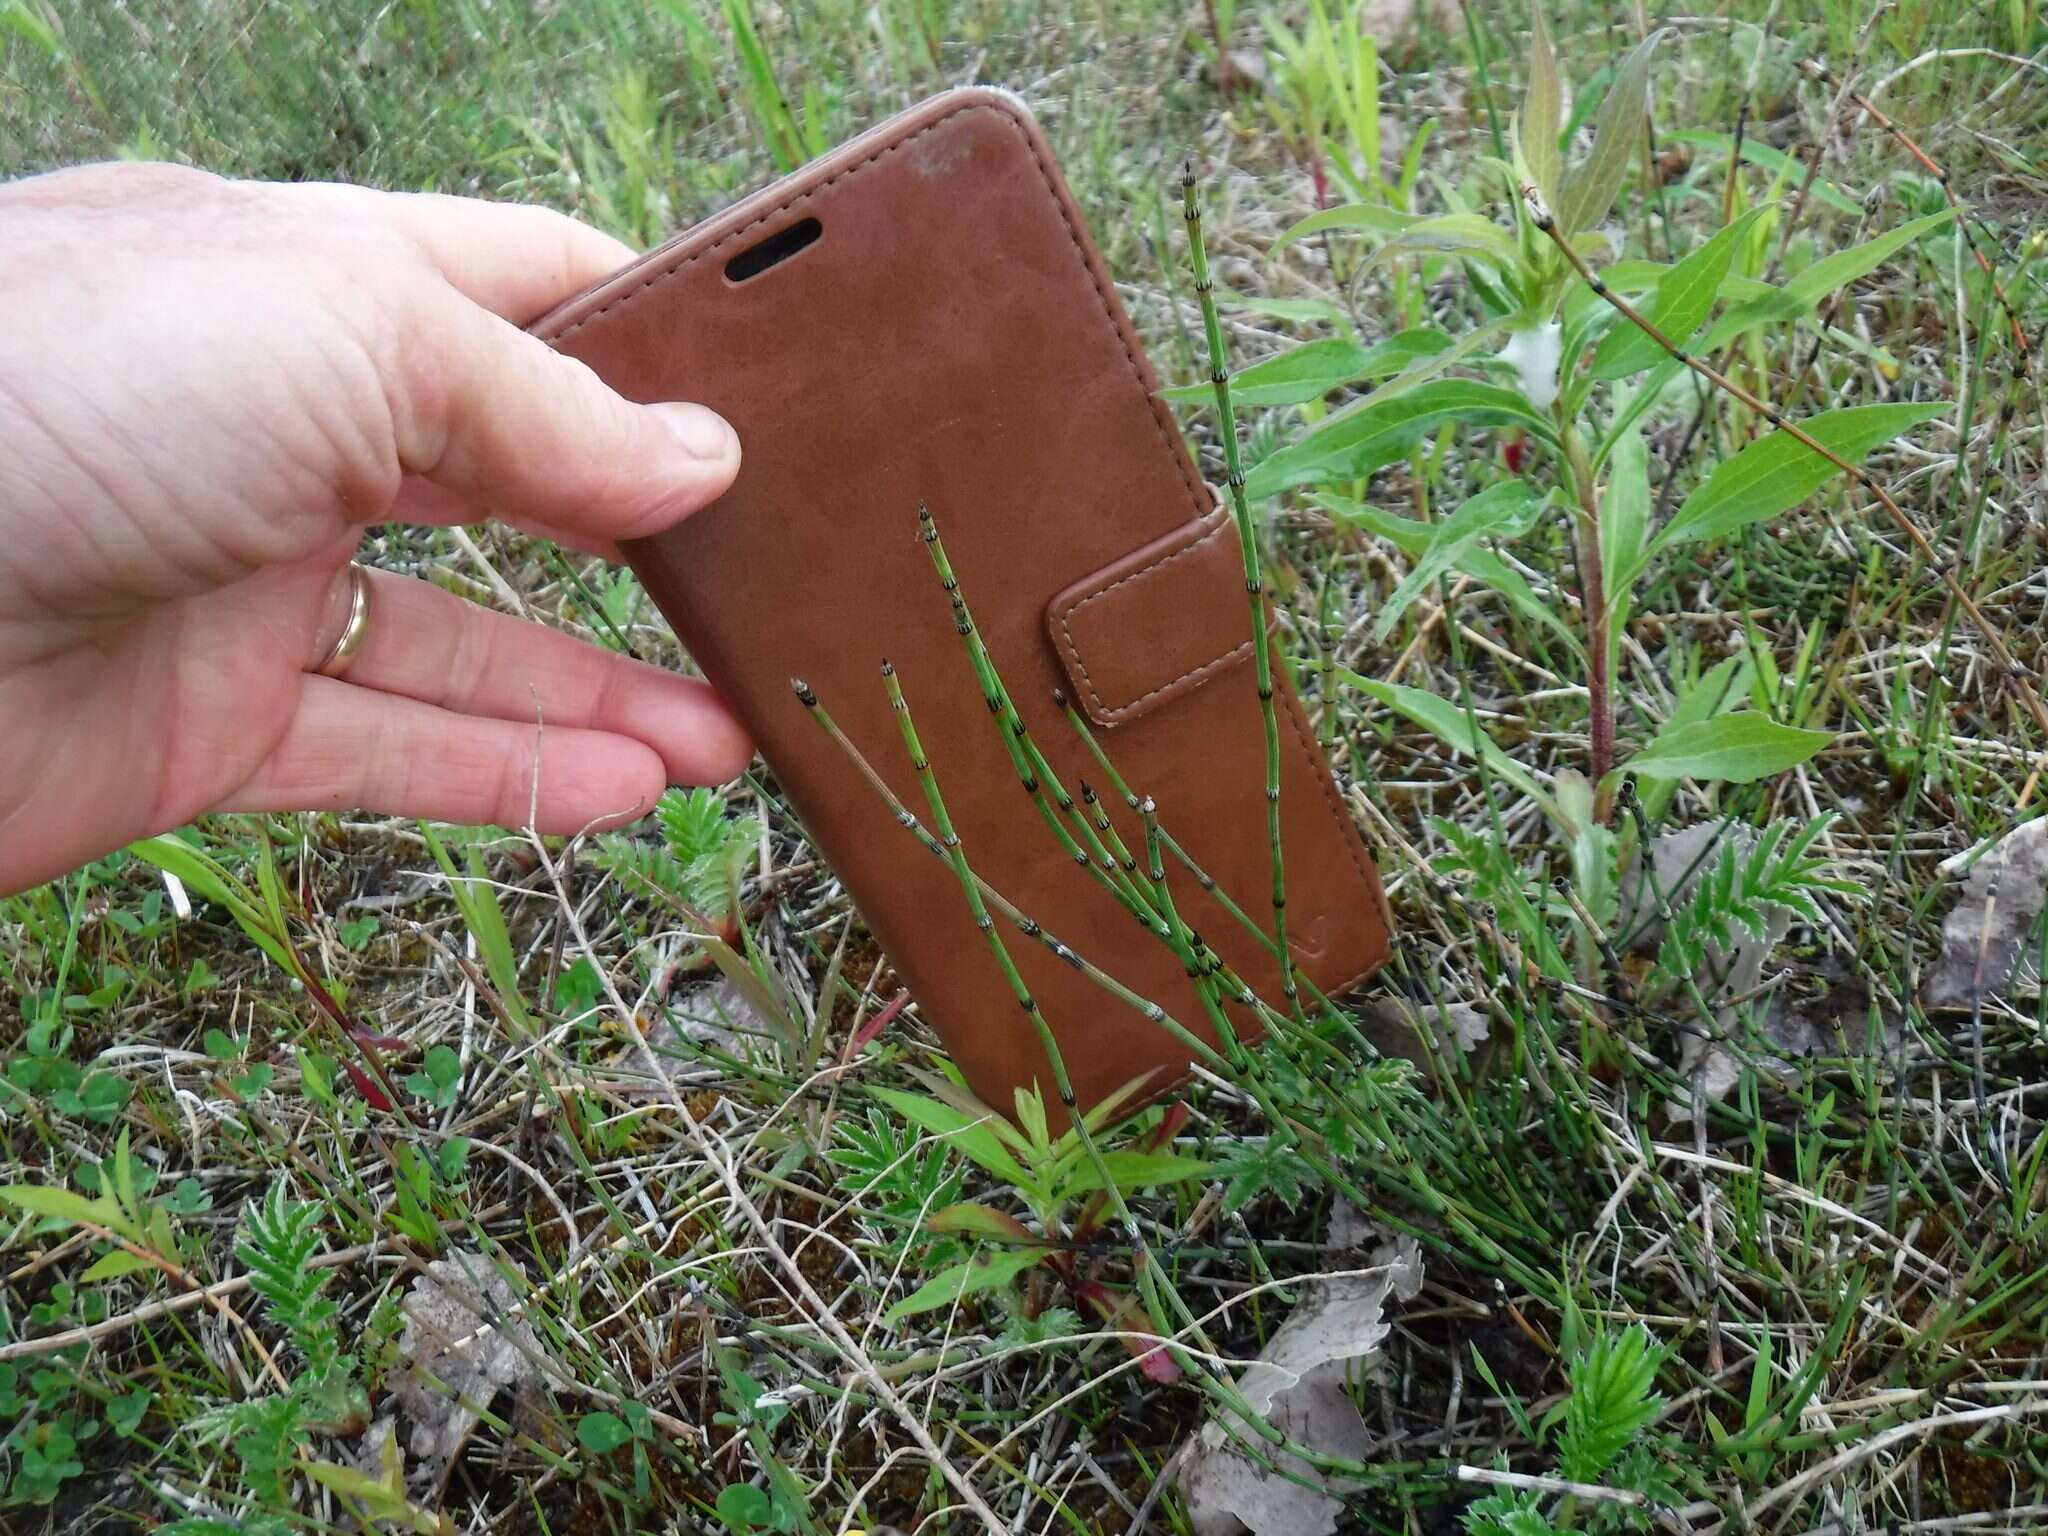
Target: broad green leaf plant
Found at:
x=1555, y=362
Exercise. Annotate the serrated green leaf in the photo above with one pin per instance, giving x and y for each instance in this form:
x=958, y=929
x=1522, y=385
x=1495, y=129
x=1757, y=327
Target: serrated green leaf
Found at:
x=1589, y=188
x=1373, y=434
x=1684, y=298
x=1507, y=1514
x=1731, y=749
x=976, y=1140
x=1613, y=1400
x=1779, y=471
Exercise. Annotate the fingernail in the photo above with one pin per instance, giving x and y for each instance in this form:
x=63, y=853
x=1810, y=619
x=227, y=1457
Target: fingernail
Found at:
x=704, y=433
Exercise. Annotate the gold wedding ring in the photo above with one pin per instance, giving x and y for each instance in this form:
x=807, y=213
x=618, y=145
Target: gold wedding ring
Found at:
x=350, y=640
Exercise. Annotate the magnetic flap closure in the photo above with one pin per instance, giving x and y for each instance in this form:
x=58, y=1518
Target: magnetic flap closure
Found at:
x=1159, y=622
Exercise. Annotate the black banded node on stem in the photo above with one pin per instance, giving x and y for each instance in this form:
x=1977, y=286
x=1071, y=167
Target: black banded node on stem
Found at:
x=1254, y=579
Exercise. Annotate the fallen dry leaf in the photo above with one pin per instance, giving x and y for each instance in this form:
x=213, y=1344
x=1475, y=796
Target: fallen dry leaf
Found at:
x=462, y=1330
x=1388, y=22
x=1984, y=947
x=1299, y=1384
x=1395, y=1027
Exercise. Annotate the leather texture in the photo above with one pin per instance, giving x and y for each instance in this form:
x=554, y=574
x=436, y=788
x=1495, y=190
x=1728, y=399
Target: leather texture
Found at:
x=951, y=337
x=1156, y=624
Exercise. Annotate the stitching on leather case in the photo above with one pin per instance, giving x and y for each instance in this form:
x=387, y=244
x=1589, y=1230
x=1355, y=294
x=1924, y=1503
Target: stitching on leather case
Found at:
x=1073, y=650
x=1345, y=829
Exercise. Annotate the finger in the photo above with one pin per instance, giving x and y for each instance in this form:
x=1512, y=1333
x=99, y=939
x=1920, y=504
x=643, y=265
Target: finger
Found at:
x=430, y=645
x=351, y=748
x=422, y=501
x=514, y=259
x=487, y=412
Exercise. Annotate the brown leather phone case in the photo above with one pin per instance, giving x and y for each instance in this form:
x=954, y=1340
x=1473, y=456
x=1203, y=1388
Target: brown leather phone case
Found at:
x=948, y=335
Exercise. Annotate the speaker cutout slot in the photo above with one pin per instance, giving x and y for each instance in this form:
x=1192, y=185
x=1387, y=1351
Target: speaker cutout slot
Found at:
x=773, y=251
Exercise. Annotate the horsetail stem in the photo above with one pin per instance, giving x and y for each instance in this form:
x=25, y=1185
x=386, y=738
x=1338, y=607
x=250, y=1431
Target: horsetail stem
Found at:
x=1201, y=964
x=1033, y=771
x=1151, y=1274
x=1112, y=864
x=1111, y=838
x=1166, y=838
x=1028, y=926
x=1254, y=580
x=1155, y=871
x=1252, y=1078
x=1406, y=1182
x=1207, y=959
x=956, y=855
x=1115, y=871
x=1213, y=978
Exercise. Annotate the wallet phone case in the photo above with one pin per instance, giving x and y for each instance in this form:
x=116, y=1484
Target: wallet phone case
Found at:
x=938, y=328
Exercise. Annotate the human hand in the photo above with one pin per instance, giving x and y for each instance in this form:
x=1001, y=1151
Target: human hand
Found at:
x=207, y=390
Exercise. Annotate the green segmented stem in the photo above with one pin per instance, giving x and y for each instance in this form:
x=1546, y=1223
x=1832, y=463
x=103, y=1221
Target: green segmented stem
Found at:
x=1033, y=772
x=1151, y=1275
x=1153, y=1281
x=956, y=855
x=1253, y=1079
x=1254, y=579
x=1400, y=1174
x=1155, y=871
x=1028, y=926
x=1206, y=958
x=1166, y=838
x=1111, y=838
x=1200, y=964
x=1038, y=777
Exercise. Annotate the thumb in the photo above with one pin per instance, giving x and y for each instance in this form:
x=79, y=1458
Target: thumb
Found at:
x=503, y=421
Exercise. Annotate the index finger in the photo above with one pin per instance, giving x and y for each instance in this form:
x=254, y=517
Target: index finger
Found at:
x=517, y=260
